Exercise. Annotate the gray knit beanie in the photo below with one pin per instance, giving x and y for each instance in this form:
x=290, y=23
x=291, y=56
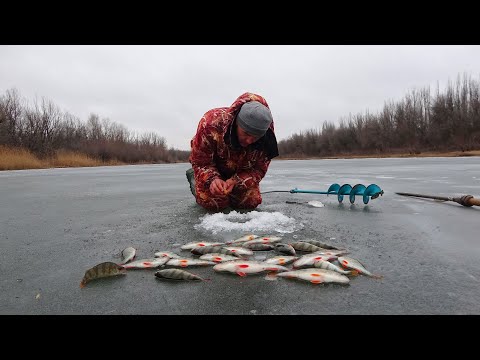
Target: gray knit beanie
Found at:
x=255, y=118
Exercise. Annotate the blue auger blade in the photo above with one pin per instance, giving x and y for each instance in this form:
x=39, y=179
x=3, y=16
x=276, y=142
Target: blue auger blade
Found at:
x=333, y=189
x=344, y=190
x=358, y=189
x=373, y=190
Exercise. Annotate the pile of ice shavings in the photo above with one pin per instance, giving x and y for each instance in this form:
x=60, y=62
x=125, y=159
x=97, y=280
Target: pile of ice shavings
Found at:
x=250, y=222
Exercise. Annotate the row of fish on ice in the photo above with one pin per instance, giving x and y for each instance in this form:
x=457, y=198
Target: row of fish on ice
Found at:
x=322, y=263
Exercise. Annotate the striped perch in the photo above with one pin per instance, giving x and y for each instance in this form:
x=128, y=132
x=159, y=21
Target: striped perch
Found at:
x=103, y=270
x=177, y=274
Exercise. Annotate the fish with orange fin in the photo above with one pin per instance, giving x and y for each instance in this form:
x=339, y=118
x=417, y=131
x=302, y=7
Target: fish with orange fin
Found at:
x=332, y=252
x=262, y=240
x=218, y=258
x=356, y=267
x=242, y=239
x=271, y=238
x=322, y=264
x=243, y=267
x=241, y=251
x=316, y=276
x=102, y=270
x=147, y=263
x=308, y=260
x=281, y=260
x=193, y=245
x=183, y=262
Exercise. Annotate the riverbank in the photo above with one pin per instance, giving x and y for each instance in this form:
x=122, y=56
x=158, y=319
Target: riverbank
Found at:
x=20, y=159
x=399, y=155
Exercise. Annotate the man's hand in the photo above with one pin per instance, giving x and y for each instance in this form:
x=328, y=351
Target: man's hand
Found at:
x=229, y=184
x=220, y=187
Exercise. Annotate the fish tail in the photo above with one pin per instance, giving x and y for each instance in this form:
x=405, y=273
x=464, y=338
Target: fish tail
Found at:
x=354, y=272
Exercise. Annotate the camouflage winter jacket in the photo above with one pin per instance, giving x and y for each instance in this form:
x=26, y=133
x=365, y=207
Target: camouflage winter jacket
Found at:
x=216, y=152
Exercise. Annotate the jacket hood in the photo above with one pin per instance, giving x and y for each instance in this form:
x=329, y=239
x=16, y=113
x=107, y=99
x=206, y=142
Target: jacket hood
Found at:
x=268, y=141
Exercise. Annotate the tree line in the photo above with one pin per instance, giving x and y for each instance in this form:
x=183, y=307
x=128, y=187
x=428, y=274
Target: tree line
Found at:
x=421, y=121
x=43, y=129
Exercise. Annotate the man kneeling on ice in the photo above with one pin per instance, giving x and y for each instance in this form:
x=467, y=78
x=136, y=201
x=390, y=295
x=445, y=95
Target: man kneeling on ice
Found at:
x=231, y=153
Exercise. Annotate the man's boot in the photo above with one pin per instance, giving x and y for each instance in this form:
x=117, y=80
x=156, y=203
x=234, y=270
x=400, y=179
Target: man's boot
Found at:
x=191, y=180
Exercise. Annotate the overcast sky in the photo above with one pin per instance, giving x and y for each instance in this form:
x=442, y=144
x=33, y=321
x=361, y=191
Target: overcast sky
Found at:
x=167, y=89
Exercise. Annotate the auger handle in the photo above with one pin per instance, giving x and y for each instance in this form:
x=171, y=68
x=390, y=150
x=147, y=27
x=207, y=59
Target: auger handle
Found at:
x=467, y=200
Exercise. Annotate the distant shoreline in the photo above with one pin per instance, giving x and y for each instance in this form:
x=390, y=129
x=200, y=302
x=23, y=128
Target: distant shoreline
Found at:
x=29, y=162
x=400, y=155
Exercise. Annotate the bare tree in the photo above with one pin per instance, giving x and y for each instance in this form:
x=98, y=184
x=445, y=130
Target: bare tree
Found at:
x=418, y=122
x=11, y=110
